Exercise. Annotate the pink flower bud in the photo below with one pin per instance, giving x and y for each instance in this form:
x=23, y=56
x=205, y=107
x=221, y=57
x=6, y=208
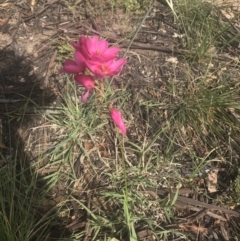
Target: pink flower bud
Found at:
x=84, y=97
x=71, y=67
x=117, y=119
x=85, y=80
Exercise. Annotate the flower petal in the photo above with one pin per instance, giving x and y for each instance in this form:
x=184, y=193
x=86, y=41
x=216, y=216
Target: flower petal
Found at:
x=71, y=67
x=117, y=119
x=76, y=45
x=102, y=46
x=109, y=68
x=96, y=68
x=82, y=40
x=110, y=54
x=80, y=60
x=83, y=43
x=85, y=80
x=116, y=66
x=85, y=96
x=91, y=46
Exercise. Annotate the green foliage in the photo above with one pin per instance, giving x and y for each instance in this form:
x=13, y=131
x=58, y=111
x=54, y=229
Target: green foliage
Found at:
x=136, y=6
x=20, y=201
x=200, y=23
x=65, y=50
x=237, y=188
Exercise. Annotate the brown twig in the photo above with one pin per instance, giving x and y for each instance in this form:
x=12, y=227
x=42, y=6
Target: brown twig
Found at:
x=189, y=202
x=151, y=47
x=87, y=227
x=75, y=209
x=201, y=212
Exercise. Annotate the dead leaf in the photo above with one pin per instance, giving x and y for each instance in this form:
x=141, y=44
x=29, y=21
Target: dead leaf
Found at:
x=172, y=60
x=88, y=145
x=32, y=4
x=4, y=5
x=192, y=228
x=3, y=21
x=105, y=154
x=176, y=35
x=144, y=234
x=212, y=179
x=48, y=170
x=228, y=15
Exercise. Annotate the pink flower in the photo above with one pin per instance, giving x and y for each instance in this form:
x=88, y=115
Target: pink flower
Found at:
x=110, y=68
x=96, y=50
x=74, y=67
x=87, y=82
x=117, y=119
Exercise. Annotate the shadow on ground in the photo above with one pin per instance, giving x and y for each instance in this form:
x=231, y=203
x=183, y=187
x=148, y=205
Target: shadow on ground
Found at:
x=22, y=98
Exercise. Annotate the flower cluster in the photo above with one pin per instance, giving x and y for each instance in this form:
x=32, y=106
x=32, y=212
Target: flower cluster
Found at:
x=94, y=60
